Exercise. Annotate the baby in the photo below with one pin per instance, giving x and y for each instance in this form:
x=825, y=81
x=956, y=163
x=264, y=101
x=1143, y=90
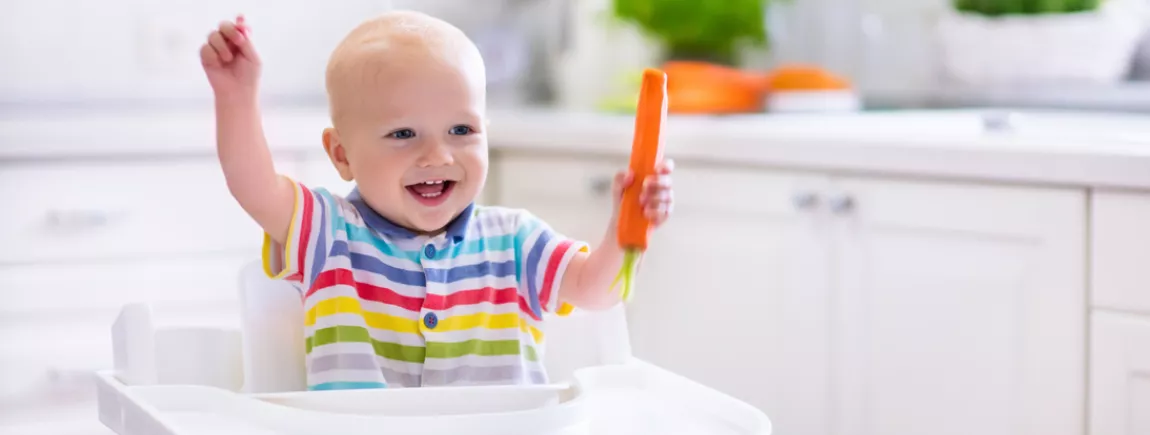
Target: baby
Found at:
x=406, y=282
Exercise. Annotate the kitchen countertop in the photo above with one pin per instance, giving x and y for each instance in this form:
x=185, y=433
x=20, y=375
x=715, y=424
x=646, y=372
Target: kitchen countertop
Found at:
x=1032, y=147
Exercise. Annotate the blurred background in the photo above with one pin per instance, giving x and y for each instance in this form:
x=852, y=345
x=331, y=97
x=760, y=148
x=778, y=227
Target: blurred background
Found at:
x=895, y=216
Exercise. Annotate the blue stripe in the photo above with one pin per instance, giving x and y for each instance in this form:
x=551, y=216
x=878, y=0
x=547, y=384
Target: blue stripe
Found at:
x=474, y=246
x=346, y=386
x=486, y=268
x=521, y=235
x=534, y=259
x=319, y=258
x=375, y=265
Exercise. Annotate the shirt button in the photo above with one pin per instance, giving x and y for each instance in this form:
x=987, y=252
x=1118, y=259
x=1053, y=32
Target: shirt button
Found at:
x=429, y=251
x=430, y=320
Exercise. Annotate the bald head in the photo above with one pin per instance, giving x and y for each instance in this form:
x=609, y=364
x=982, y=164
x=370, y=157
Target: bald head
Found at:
x=395, y=45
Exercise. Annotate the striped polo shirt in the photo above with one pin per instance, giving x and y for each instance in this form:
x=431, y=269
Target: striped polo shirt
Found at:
x=386, y=307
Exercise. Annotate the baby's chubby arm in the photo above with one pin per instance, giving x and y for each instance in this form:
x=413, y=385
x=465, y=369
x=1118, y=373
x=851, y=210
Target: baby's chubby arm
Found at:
x=587, y=282
x=233, y=69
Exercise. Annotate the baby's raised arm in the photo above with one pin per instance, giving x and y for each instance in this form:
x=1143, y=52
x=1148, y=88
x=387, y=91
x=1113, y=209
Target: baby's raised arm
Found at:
x=233, y=69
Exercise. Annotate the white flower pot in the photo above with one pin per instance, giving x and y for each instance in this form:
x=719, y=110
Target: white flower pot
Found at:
x=1089, y=47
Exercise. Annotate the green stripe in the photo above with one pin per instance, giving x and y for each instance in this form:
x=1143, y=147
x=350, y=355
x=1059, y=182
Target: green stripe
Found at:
x=357, y=334
x=416, y=354
x=399, y=352
x=529, y=351
x=473, y=347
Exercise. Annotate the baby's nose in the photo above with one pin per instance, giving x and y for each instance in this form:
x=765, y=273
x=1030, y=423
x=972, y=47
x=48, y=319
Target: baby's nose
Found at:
x=438, y=154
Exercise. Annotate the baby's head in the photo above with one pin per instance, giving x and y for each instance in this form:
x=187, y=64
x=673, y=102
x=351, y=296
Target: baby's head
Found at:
x=408, y=105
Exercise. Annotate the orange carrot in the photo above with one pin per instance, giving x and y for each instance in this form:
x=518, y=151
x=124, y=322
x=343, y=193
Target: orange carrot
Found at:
x=646, y=152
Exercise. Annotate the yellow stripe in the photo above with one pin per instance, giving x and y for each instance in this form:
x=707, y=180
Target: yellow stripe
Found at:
x=535, y=332
x=489, y=321
x=350, y=305
x=288, y=258
x=486, y=320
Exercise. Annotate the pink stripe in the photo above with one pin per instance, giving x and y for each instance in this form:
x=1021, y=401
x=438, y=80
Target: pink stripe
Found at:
x=552, y=270
x=304, y=228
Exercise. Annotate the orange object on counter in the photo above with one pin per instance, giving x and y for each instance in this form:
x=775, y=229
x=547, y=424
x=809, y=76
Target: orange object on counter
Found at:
x=701, y=87
x=799, y=77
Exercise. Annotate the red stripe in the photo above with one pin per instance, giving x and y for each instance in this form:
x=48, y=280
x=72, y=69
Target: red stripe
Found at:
x=365, y=291
x=552, y=270
x=304, y=228
x=526, y=309
x=329, y=278
x=295, y=277
x=471, y=297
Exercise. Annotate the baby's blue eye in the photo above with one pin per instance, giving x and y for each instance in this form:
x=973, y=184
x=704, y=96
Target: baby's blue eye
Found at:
x=406, y=133
x=461, y=130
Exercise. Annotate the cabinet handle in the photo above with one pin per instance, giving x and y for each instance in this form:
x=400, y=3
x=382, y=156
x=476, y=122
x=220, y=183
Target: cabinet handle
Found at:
x=601, y=186
x=73, y=220
x=842, y=204
x=805, y=200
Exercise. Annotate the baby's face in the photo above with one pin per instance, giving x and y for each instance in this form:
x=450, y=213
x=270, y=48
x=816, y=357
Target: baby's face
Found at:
x=415, y=141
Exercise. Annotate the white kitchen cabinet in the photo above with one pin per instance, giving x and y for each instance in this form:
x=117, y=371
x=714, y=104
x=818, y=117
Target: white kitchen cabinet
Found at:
x=850, y=306
x=88, y=237
x=1119, y=374
x=734, y=292
x=101, y=210
x=958, y=309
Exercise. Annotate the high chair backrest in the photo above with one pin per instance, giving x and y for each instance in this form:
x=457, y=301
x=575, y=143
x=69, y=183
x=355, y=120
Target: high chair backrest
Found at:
x=271, y=321
x=272, y=318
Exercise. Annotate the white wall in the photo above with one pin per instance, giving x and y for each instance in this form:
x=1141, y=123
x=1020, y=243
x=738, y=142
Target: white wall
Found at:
x=83, y=50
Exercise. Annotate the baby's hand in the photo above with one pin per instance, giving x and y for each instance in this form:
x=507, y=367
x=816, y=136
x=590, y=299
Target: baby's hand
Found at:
x=230, y=60
x=657, y=197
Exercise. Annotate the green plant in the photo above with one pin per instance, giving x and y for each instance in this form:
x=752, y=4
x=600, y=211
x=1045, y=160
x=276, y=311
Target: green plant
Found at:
x=1021, y=7
x=710, y=30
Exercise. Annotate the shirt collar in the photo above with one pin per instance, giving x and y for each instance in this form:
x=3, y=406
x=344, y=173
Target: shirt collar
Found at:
x=455, y=230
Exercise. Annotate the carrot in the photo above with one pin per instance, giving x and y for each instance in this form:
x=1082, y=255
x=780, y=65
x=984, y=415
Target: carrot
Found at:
x=646, y=152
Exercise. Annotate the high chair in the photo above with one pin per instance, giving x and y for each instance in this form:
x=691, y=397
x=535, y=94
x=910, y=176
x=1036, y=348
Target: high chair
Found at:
x=246, y=374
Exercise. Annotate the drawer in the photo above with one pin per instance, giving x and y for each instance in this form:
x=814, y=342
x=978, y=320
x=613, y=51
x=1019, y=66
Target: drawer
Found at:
x=518, y=178
x=88, y=287
x=105, y=210
x=1120, y=227
x=1119, y=364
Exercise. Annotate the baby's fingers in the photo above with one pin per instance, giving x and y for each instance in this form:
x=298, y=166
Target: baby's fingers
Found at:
x=654, y=187
x=208, y=56
x=217, y=42
x=237, y=35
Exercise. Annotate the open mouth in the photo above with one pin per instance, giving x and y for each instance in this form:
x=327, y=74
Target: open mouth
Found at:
x=431, y=192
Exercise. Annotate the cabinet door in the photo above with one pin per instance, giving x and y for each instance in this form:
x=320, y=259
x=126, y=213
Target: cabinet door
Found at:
x=733, y=292
x=959, y=309
x=1119, y=374
x=1120, y=247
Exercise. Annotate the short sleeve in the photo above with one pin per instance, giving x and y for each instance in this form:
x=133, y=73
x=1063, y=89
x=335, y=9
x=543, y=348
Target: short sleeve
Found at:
x=545, y=255
x=310, y=237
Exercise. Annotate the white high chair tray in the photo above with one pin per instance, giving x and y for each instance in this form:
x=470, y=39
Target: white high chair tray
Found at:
x=634, y=398
x=244, y=374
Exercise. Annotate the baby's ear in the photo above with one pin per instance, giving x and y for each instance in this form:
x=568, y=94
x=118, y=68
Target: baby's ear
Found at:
x=336, y=153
